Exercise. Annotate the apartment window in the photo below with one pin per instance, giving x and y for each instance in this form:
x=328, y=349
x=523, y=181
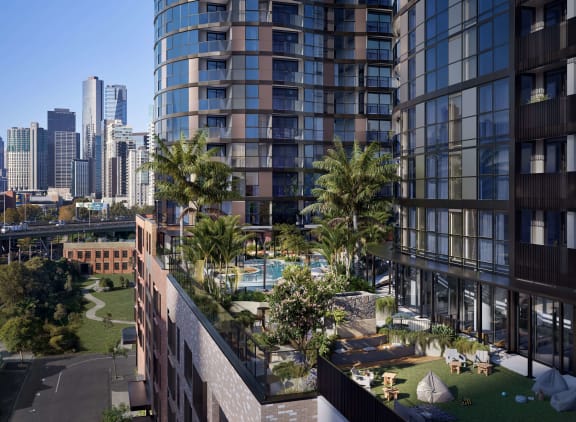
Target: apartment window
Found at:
x=215, y=64
x=284, y=98
x=106, y=266
x=252, y=37
x=284, y=14
x=79, y=254
x=199, y=396
x=378, y=76
x=284, y=156
x=124, y=254
x=171, y=335
x=344, y=19
x=98, y=267
x=187, y=363
x=214, y=93
x=526, y=153
x=124, y=266
x=284, y=70
x=554, y=13
x=212, y=7
x=555, y=228
x=378, y=49
x=98, y=254
x=378, y=103
x=116, y=254
x=116, y=266
x=284, y=127
x=284, y=42
x=527, y=19
x=555, y=83
x=106, y=254
x=555, y=156
x=378, y=22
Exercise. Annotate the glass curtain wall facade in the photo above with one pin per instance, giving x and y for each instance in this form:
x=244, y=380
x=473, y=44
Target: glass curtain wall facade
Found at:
x=272, y=84
x=484, y=227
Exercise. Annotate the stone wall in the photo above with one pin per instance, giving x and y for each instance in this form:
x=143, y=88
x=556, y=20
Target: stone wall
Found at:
x=361, y=314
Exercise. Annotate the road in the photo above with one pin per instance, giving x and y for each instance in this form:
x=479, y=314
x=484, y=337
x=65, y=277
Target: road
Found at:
x=71, y=388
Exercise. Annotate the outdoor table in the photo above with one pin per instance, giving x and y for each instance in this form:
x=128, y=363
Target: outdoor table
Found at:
x=455, y=366
x=390, y=393
x=485, y=368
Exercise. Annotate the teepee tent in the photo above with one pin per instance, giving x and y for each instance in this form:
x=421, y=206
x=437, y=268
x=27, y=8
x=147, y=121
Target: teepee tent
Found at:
x=431, y=389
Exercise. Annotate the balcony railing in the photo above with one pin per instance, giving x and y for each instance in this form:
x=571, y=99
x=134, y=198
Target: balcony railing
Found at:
x=378, y=136
x=287, y=76
x=546, y=119
x=377, y=54
x=378, y=109
x=216, y=133
x=286, y=162
x=285, y=19
x=214, y=17
x=212, y=46
x=345, y=80
x=282, y=133
x=547, y=45
x=546, y=190
x=281, y=47
x=286, y=104
x=379, y=27
x=345, y=53
x=550, y=265
x=214, y=75
x=378, y=81
x=214, y=104
x=344, y=26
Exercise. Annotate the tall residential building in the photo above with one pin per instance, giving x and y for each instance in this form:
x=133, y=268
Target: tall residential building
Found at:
x=138, y=184
x=271, y=84
x=3, y=179
x=486, y=214
x=92, y=115
x=26, y=150
x=59, y=119
x=118, y=140
x=116, y=103
x=65, y=152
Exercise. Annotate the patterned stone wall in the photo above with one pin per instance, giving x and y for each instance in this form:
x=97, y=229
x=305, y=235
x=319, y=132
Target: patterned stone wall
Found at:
x=361, y=314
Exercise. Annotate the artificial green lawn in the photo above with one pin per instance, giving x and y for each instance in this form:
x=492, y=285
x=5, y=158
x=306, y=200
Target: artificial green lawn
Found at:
x=485, y=393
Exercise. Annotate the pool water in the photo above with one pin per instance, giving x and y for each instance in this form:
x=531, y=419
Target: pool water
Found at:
x=274, y=269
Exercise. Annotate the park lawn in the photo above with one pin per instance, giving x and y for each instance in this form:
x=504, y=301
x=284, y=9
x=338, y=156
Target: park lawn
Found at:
x=119, y=303
x=95, y=337
x=484, y=392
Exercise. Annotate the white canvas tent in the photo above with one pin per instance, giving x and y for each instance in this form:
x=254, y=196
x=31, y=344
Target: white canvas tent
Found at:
x=431, y=389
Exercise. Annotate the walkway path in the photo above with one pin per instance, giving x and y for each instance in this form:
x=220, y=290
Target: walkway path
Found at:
x=99, y=304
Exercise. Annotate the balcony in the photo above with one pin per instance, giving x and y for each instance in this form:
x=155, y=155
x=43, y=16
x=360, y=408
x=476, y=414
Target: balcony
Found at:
x=282, y=133
x=214, y=75
x=550, y=265
x=547, y=45
x=288, y=77
x=547, y=119
x=377, y=54
x=214, y=104
x=214, y=17
x=285, y=19
x=217, y=133
x=344, y=26
x=286, y=162
x=379, y=27
x=378, y=81
x=214, y=46
x=378, y=109
x=546, y=190
x=287, y=104
x=340, y=80
x=378, y=136
x=282, y=47
x=288, y=190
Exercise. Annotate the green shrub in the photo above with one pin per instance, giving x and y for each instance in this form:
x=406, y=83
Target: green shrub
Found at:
x=106, y=282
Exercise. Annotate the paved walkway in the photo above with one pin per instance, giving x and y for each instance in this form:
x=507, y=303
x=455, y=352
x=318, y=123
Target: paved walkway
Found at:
x=99, y=304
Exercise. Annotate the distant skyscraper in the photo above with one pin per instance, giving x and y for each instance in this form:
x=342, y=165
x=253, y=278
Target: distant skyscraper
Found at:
x=115, y=103
x=3, y=180
x=92, y=113
x=26, y=152
x=117, y=141
x=59, y=119
x=65, y=152
x=138, y=181
x=80, y=178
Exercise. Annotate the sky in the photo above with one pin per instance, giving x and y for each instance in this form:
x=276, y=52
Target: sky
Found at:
x=48, y=47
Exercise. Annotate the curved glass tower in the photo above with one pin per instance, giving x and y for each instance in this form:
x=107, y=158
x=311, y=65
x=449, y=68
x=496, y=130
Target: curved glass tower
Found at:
x=272, y=83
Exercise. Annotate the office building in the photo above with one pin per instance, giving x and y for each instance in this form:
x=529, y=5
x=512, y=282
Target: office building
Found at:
x=486, y=218
x=63, y=120
x=26, y=150
x=65, y=152
x=3, y=179
x=116, y=103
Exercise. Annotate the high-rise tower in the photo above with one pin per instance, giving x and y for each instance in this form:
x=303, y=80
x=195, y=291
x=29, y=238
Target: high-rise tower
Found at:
x=116, y=103
x=92, y=114
x=26, y=164
x=62, y=120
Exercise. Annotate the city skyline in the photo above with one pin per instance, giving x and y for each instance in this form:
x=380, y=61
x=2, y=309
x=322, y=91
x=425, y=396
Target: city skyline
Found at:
x=47, y=69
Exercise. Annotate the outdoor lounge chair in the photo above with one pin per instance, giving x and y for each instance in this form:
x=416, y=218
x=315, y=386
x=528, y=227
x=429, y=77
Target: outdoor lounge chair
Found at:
x=452, y=355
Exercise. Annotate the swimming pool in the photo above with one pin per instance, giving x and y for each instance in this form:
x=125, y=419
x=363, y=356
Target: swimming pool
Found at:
x=274, y=269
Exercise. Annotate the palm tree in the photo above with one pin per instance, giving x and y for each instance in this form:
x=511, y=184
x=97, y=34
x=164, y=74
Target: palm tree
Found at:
x=349, y=189
x=191, y=177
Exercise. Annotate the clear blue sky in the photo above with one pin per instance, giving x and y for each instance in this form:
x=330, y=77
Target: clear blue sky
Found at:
x=48, y=47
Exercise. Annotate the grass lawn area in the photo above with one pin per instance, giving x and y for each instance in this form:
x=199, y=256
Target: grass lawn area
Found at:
x=95, y=337
x=485, y=392
x=120, y=303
